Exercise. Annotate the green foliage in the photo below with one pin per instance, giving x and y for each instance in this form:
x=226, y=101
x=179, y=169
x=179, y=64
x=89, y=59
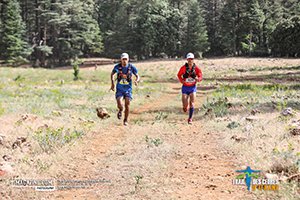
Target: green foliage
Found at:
x=19, y=78
x=85, y=32
x=75, y=65
x=152, y=29
x=157, y=30
x=229, y=27
x=252, y=87
x=50, y=138
x=233, y=125
x=156, y=142
x=195, y=37
x=252, y=97
x=42, y=166
x=252, y=28
x=59, y=31
x=161, y=116
x=211, y=12
x=138, y=179
x=285, y=39
x=71, y=31
x=76, y=72
x=249, y=45
x=45, y=49
x=2, y=110
x=287, y=161
x=12, y=43
x=239, y=19
x=218, y=106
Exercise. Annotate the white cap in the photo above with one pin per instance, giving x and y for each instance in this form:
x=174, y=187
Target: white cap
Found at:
x=190, y=55
x=125, y=55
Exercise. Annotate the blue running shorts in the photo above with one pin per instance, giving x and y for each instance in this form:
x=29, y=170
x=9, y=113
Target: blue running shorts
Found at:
x=124, y=94
x=188, y=89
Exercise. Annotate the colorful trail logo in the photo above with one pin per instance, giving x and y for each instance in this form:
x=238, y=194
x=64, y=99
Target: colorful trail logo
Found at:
x=253, y=180
x=248, y=173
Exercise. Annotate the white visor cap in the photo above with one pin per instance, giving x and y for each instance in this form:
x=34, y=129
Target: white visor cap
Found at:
x=190, y=56
x=125, y=55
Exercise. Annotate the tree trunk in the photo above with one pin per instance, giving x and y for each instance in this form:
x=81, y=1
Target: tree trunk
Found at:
x=36, y=40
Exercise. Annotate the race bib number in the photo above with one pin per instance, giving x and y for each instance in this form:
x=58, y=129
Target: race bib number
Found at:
x=124, y=82
x=189, y=80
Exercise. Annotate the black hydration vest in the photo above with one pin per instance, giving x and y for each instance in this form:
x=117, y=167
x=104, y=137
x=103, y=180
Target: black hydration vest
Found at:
x=189, y=73
x=128, y=74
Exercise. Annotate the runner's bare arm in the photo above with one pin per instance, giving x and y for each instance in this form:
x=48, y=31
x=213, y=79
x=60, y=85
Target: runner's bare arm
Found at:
x=112, y=81
x=199, y=75
x=179, y=75
x=137, y=80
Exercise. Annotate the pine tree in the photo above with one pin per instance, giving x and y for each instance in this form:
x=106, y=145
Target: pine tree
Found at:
x=145, y=31
x=252, y=26
x=60, y=30
x=150, y=29
x=142, y=28
x=165, y=22
x=231, y=27
x=174, y=33
x=212, y=11
x=83, y=32
x=285, y=39
x=1, y=26
x=12, y=43
x=196, y=39
x=66, y=30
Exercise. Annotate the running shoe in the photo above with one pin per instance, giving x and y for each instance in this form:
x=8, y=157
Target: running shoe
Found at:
x=119, y=114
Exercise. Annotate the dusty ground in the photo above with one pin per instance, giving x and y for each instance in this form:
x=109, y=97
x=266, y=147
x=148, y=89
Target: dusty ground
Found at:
x=187, y=165
x=155, y=157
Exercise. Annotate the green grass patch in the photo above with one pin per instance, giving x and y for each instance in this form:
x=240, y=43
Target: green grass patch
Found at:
x=231, y=98
x=274, y=68
x=153, y=141
x=2, y=111
x=49, y=139
x=218, y=106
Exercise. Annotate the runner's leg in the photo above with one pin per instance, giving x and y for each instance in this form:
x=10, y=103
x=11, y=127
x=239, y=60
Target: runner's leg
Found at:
x=192, y=103
x=127, y=103
x=185, y=102
x=120, y=107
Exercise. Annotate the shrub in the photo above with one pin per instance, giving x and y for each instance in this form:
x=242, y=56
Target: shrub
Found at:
x=218, y=106
x=51, y=138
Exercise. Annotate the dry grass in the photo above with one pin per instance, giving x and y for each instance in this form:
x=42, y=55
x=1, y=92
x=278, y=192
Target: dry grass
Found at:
x=249, y=116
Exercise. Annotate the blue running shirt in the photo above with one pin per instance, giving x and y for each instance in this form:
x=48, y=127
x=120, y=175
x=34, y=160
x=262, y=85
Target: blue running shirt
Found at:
x=123, y=84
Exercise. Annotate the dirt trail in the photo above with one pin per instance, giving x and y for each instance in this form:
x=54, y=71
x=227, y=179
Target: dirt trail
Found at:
x=202, y=169
x=191, y=165
x=100, y=144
